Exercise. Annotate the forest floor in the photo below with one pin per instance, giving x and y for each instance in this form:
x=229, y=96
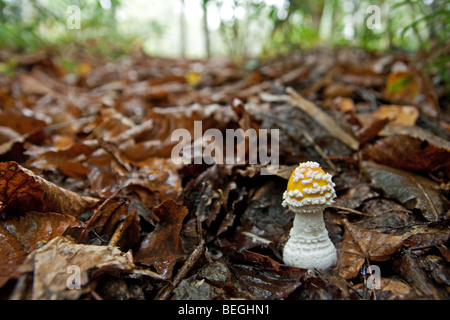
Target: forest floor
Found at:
x=93, y=206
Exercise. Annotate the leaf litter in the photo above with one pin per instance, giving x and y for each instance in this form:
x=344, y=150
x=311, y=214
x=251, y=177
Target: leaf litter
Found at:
x=87, y=181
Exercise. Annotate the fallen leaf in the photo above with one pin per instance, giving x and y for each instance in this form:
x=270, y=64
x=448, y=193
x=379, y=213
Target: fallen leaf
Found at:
x=162, y=247
x=409, y=153
x=60, y=263
x=398, y=115
x=12, y=255
x=260, y=277
x=423, y=237
x=409, y=268
x=359, y=243
x=413, y=191
x=408, y=86
x=67, y=160
x=21, y=235
x=21, y=190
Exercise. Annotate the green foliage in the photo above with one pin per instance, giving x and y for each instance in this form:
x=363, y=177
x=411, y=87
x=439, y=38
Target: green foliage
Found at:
x=411, y=25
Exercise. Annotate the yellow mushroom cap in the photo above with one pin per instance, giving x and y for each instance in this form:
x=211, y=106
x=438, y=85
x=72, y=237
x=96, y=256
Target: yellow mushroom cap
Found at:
x=308, y=186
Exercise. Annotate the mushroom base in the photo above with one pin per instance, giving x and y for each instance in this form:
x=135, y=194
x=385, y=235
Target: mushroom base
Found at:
x=309, y=246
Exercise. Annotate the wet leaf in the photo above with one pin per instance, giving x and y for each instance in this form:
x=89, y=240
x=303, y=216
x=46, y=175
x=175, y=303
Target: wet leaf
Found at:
x=162, y=247
x=262, y=278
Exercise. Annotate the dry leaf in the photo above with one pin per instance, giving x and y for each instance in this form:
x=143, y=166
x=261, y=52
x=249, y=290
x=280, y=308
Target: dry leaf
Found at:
x=409, y=153
x=408, y=86
x=398, y=115
x=56, y=265
x=360, y=243
x=21, y=190
x=12, y=255
x=411, y=190
x=67, y=160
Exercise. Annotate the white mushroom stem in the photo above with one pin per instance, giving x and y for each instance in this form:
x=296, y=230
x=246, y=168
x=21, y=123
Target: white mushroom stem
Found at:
x=309, y=246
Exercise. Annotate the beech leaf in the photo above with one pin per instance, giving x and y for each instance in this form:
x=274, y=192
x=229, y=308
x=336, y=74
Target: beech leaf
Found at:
x=162, y=247
x=21, y=235
x=413, y=191
x=55, y=263
x=22, y=190
x=360, y=243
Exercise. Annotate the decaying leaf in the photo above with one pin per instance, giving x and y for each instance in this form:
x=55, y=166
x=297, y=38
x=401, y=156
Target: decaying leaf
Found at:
x=409, y=153
x=359, y=244
x=68, y=160
x=63, y=269
x=12, y=255
x=398, y=115
x=21, y=235
x=413, y=191
x=162, y=247
x=21, y=190
x=410, y=269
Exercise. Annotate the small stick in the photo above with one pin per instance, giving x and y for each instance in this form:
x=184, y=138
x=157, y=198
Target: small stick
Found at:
x=117, y=236
x=323, y=119
x=256, y=238
x=370, y=271
x=351, y=210
x=187, y=266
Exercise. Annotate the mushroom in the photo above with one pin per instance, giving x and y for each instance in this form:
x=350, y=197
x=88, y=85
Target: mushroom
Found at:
x=309, y=191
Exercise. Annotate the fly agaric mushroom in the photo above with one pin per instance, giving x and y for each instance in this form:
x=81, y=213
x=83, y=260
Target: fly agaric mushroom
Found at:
x=309, y=191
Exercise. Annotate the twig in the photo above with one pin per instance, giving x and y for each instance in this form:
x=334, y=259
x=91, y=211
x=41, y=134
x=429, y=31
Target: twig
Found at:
x=351, y=210
x=187, y=266
x=117, y=236
x=95, y=216
x=317, y=148
x=370, y=277
x=256, y=238
x=435, y=213
x=307, y=137
x=323, y=119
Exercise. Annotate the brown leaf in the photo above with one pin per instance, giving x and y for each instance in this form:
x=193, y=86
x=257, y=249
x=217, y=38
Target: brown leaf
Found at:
x=162, y=247
x=409, y=268
x=411, y=190
x=52, y=267
x=409, y=153
x=20, y=236
x=21, y=190
x=23, y=124
x=360, y=243
x=12, y=255
x=263, y=278
x=36, y=228
x=409, y=86
x=422, y=237
x=66, y=160
x=398, y=115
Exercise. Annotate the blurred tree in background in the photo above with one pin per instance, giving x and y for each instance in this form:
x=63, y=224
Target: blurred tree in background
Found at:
x=246, y=28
